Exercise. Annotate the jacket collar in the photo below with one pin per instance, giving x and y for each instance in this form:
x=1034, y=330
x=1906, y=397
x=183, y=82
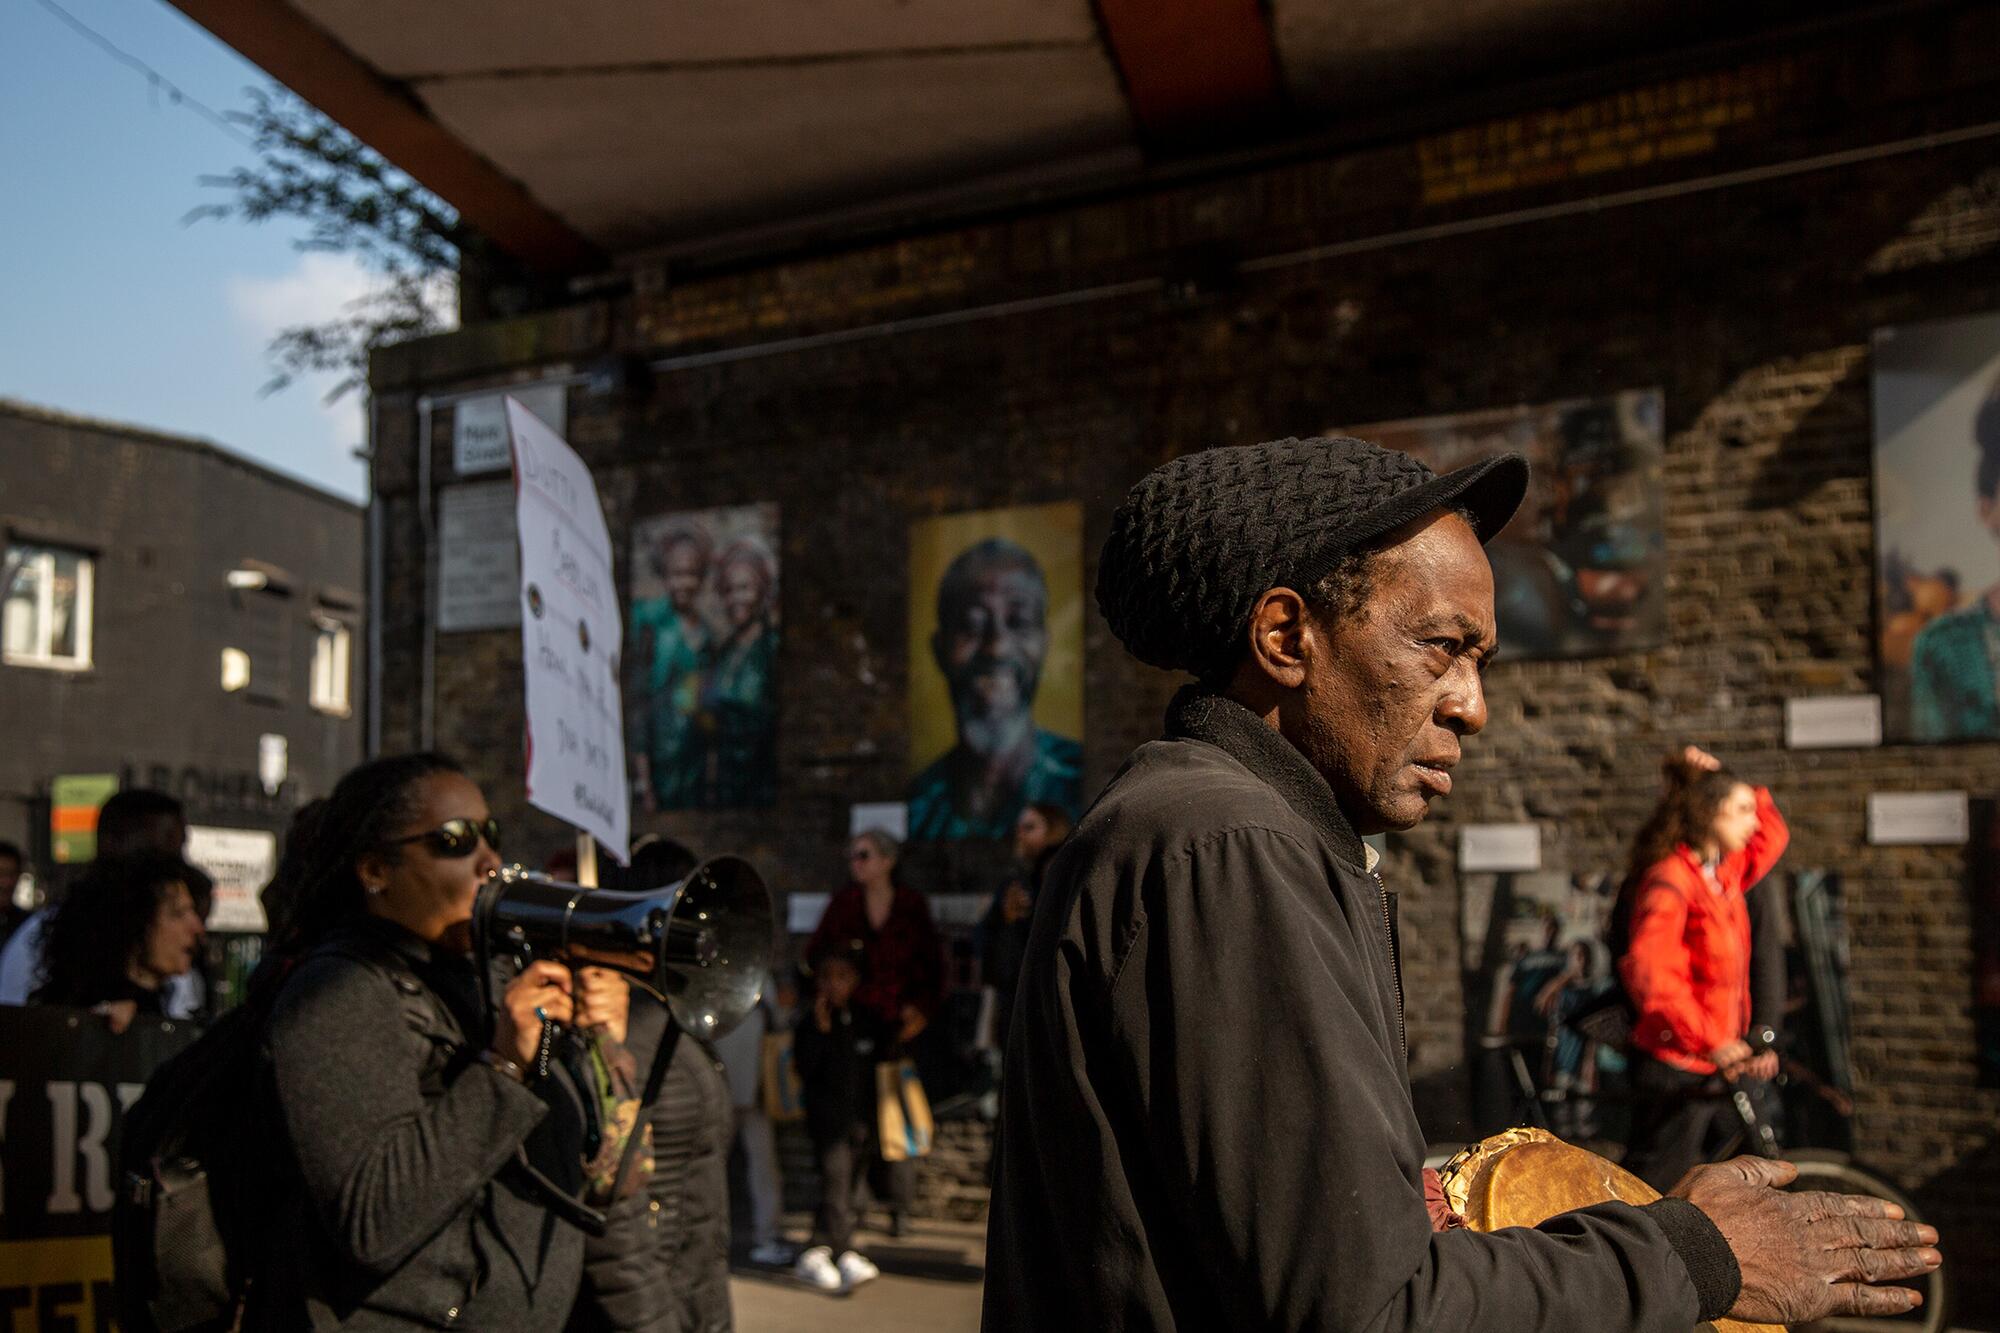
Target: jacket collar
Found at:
x=1201, y=715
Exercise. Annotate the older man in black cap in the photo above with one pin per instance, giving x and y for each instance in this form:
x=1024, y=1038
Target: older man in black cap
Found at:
x=1208, y=1122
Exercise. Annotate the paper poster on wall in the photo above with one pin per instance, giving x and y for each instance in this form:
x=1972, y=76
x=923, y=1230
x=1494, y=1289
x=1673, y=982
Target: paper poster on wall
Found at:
x=479, y=558
x=1918, y=818
x=1833, y=721
x=891, y=817
x=1581, y=569
x=703, y=686
x=241, y=862
x=996, y=669
x=1500, y=847
x=1937, y=528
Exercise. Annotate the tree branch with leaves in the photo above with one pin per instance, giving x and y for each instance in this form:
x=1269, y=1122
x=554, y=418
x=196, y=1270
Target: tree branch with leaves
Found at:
x=353, y=202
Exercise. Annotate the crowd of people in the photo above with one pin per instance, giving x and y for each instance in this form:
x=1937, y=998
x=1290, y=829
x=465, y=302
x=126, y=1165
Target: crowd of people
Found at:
x=409, y=1151
x=436, y=1146
x=1205, y=1119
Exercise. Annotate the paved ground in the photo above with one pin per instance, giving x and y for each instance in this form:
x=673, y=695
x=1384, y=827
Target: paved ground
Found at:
x=930, y=1283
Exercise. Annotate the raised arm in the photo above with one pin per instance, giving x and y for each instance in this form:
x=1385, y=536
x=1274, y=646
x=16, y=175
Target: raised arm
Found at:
x=1766, y=844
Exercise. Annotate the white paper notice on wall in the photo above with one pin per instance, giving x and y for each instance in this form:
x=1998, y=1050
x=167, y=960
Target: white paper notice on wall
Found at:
x=891, y=817
x=479, y=425
x=1910, y=818
x=803, y=911
x=1500, y=847
x=479, y=558
x=1826, y=722
x=571, y=637
x=241, y=862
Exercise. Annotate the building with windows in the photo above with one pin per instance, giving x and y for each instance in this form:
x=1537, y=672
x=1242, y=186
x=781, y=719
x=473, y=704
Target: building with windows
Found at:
x=171, y=616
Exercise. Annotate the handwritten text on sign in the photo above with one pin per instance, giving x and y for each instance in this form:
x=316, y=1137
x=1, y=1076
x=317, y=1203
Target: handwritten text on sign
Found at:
x=571, y=637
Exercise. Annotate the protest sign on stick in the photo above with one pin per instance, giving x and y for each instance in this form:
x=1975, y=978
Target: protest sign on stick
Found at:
x=571, y=637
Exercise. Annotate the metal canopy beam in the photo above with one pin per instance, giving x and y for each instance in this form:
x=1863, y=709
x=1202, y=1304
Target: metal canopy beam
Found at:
x=302, y=56
x=1197, y=72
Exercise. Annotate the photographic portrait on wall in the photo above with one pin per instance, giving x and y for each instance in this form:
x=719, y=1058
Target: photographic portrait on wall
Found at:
x=996, y=668
x=1581, y=569
x=1536, y=955
x=702, y=659
x=1937, y=529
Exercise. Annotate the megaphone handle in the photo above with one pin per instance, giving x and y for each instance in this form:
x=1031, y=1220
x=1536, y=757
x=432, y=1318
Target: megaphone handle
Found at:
x=670, y=1041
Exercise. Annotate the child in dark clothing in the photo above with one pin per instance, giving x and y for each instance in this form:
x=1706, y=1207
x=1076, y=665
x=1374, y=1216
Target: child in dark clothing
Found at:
x=835, y=1050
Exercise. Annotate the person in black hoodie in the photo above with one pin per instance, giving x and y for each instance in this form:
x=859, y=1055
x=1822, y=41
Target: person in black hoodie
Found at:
x=1208, y=1120
x=835, y=1051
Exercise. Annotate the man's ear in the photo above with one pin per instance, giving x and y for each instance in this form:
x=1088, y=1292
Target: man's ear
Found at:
x=937, y=650
x=1280, y=637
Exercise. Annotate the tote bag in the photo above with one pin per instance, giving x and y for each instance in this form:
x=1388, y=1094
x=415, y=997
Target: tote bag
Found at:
x=903, y=1112
x=784, y=1096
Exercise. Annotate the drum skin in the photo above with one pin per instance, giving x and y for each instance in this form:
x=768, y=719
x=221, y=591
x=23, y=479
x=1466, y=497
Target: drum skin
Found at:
x=1523, y=1177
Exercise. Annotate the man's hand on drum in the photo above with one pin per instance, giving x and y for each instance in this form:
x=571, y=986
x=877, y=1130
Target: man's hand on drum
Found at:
x=1806, y=1256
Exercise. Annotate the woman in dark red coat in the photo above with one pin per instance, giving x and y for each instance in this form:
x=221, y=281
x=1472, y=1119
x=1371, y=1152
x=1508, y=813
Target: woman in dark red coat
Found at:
x=904, y=966
x=1685, y=957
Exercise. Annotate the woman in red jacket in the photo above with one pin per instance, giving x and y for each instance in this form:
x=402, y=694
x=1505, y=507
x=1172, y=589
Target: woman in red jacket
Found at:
x=1685, y=959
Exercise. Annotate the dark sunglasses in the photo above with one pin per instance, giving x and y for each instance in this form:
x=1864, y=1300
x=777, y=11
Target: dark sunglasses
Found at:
x=456, y=837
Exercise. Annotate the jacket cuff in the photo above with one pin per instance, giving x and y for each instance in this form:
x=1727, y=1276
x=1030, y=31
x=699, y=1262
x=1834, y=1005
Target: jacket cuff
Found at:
x=1711, y=1265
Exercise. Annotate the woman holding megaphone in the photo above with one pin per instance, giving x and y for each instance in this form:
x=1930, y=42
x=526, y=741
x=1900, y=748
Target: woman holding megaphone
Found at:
x=422, y=1143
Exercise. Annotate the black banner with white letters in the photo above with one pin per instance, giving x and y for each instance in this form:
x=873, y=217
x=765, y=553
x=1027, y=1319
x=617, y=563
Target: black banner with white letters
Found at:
x=65, y=1082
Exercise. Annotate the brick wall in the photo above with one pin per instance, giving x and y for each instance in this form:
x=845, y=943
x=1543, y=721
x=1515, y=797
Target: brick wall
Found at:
x=1195, y=320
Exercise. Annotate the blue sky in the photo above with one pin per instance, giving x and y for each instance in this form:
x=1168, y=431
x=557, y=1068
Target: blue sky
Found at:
x=109, y=305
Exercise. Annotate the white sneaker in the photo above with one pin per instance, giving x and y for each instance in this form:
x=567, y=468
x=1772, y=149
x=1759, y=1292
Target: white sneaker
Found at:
x=816, y=1267
x=857, y=1270
x=771, y=1254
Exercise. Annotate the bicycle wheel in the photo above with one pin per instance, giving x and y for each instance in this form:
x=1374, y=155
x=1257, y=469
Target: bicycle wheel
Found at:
x=1836, y=1173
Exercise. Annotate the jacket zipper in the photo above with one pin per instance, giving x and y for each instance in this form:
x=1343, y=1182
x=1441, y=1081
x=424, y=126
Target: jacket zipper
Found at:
x=1395, y=967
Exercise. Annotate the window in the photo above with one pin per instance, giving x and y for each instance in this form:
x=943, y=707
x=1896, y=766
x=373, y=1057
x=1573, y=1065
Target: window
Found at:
x=332, y=649
x=45, y=616
x=235, y=670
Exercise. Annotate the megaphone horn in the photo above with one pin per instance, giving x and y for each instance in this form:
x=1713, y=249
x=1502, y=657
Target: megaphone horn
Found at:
x=703, y=944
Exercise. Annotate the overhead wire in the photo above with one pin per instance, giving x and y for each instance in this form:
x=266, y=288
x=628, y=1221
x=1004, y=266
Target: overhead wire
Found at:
x=177, y=95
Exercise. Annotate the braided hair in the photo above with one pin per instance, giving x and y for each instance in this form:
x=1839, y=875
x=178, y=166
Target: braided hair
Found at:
x=317, y=881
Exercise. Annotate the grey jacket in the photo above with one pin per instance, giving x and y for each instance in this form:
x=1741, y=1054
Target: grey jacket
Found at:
x=662, y=1265
x=409, y=1211
x=1208, y=1122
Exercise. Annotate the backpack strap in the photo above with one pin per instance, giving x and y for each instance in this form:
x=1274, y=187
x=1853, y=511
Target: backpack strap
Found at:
x=423, y=1011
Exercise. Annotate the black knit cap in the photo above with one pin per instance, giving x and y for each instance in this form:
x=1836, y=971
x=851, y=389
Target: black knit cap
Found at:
x=1198, y=540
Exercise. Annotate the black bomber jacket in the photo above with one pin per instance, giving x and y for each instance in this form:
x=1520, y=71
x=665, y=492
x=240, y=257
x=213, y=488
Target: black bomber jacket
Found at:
x=1208, y=1121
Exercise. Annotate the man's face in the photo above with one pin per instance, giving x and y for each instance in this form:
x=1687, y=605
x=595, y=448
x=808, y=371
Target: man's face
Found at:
x=10, y=875
x=1391, y=690
x=990, y=643
x=685, y=569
